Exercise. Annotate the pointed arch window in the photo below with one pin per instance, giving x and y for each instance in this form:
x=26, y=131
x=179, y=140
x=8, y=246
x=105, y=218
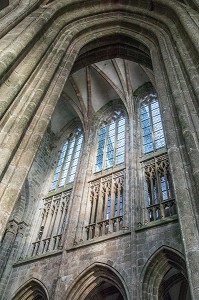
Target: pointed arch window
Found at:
x=152, y=128
x=160, y=197
x=68, y=160
x=111, y=143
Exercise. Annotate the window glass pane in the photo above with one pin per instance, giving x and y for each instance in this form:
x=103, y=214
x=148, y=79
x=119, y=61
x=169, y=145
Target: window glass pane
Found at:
x=121, y=204
x=110, y=145
x=67, y=162
x=75, y=159
x=59, y=166
x=116, y=205
x=120, y=151
x=108, y=211
x=152, y=129
x=163, y=187
x=100, y=150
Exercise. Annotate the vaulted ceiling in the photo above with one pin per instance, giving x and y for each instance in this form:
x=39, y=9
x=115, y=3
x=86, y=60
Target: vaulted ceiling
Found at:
x=90, y=88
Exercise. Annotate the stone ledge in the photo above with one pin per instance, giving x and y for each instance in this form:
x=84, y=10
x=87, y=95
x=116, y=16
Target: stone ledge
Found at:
x=157, y=223
x=31, y=259
x=98, y=240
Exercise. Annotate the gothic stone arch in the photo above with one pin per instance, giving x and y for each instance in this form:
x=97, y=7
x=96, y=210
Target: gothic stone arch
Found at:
x=31, y=290
x=55, y=38
x=157, y=266
x=92, y=277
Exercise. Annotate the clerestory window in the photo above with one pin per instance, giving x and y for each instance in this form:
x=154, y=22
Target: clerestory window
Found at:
x=111, y=143
x=152, y=129
x=55, y=206
x=160, y=196
x=106, y=192
x=68, y=160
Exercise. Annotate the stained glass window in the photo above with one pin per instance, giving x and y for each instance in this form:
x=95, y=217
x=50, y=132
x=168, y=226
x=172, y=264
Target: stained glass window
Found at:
x=152, y=129
x=111, y=143
x=68, y=160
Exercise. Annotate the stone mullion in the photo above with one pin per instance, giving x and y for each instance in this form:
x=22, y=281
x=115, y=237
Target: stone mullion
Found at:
x=42, y=230
x=49, y=220
x=119, y=193
x=112, y=204
x=166, y=172
x=158, y=180
x=52, y=229
x=105, y=201
x=99, y=210
x=92, y=209
x=51, y=223
x=152, y=188
x=107, y=193
x=119, y=190
x=44, y=235
x=94, y=205
x=61, y=217
x=57, y=217
x=42, y=224
x=64, y=208
x=113, y=193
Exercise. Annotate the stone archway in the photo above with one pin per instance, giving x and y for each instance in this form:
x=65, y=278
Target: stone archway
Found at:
x=32, y=290
x=165, y=276
x=98, y=282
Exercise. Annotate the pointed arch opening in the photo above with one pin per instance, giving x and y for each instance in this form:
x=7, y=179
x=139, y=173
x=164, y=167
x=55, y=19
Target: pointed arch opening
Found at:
x=165, y=276
x=33, y=290
x=98, y=282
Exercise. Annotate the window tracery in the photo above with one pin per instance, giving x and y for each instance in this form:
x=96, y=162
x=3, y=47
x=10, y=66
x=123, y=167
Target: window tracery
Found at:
x=68, y=160
x=111, y=142
x=152, y=129
x=54, y=210
x=106, y=193
x=158, y=181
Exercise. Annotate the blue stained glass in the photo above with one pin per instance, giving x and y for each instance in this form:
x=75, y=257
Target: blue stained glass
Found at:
x=146, y=123
x=121, y=204
x=59, y=166
x=108, y=211
x=100, y=150
x=154, y=104
x=116, y=205
x=148, y=148
x=110, y=145
x=163, y=187
x=156, y=126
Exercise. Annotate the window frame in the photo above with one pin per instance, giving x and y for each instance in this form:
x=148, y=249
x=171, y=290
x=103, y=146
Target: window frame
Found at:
x=116, y=115
x=77, y=133
x=147, y=99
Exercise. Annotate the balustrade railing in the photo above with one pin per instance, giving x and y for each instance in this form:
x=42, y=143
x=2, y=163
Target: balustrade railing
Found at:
x=52, y=224
x=104, y=227
x=162, y=210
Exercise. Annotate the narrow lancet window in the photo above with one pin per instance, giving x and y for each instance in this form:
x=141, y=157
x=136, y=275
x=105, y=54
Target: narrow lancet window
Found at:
x=160, y=196
x=68, y=160
x=152, y=129
x=111, y=143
